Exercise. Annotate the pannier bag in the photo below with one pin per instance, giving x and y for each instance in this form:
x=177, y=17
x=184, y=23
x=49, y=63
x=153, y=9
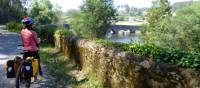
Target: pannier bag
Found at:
x=10, y=70
x=35, y=64
x=27, y=69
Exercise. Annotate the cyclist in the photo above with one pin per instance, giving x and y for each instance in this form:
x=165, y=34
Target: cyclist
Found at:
x=30, y=41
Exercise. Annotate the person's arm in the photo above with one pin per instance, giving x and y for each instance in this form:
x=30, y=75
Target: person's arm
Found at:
x=36, y=39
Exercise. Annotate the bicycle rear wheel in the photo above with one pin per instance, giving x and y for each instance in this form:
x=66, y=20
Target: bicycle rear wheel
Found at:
x=17, y=81
x=28, y=82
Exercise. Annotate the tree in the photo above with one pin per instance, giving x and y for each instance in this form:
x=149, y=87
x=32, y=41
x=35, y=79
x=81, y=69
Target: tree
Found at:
x=159, y=10
x=181, y=31
x=12, y=10
x=42, y=12
x=127, y=8
x=94, y=18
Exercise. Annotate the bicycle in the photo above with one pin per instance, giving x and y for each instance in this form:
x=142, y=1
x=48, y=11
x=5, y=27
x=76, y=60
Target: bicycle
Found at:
x=25, y=70
x=20, y=75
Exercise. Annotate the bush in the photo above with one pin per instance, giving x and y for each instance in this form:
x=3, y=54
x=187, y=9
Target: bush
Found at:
x=180, y=31
x=63, y=32
x=46, y=32
x=14, y=26
x=171, y=55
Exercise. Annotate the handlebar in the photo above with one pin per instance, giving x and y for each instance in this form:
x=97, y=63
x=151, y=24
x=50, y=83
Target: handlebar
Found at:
x=22, y=53
x=20, y=45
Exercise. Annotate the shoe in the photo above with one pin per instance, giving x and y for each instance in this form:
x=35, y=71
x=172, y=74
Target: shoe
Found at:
x=39, y=78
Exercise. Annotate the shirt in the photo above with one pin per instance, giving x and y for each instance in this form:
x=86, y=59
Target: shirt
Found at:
x=29, y=39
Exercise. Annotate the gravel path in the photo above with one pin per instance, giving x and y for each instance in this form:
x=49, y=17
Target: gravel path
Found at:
x=8, y=49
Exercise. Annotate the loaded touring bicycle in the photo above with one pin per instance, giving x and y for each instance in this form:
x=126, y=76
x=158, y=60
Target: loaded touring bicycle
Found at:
x=22, y=70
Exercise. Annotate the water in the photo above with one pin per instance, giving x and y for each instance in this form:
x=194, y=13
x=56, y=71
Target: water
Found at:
x=124, y=38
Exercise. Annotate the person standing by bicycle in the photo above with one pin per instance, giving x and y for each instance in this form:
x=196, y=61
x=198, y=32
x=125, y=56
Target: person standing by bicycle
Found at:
x=30, y=41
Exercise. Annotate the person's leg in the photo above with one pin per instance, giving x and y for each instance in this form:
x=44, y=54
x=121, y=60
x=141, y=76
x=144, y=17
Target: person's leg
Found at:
x=37, y=56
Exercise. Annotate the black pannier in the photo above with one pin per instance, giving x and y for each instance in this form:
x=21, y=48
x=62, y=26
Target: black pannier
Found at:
x=27, y=69
x=10, y=70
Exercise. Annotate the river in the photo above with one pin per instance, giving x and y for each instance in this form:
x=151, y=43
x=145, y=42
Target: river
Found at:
x=125, y=38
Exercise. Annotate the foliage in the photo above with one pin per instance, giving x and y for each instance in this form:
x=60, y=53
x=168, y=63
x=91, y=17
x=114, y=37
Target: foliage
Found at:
x=14, y=26
x=11, y=10
x=60, y=68
x=126, y=10
x=63, y=32
x=46, y=32
x=159, y=10
x=42, y=12
x=94, y=18
x=178, y=57
x=92, y=82
x=180, y=31
x=56, y=65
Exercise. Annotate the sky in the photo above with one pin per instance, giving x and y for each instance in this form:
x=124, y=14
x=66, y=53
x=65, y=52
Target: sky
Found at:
x=74, y=4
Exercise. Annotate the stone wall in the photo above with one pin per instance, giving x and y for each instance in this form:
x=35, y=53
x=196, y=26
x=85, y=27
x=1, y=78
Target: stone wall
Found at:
x=120, y=69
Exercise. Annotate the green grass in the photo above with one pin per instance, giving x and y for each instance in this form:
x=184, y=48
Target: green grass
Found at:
x=57, y=66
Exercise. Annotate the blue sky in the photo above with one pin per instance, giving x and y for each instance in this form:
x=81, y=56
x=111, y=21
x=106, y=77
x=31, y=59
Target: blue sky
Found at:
x=74, y=4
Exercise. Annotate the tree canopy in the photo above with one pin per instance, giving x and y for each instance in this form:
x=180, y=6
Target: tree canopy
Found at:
x=180, y=31
x=159, y=10
x=42, y=12
x=94, y=18
x=12, y=10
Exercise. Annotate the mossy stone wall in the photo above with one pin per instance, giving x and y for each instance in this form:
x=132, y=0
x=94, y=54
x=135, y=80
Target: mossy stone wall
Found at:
x=121, y=69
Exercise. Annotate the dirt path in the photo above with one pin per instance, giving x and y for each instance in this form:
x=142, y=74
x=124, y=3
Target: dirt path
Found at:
x=8, y=49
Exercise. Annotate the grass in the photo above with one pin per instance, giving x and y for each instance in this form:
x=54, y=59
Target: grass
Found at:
x=57, y=65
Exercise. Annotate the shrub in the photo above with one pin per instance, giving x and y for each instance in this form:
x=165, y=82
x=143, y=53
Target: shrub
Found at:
x=14, y=26
x=63, y=32
x=46, y=32
x=180, y=31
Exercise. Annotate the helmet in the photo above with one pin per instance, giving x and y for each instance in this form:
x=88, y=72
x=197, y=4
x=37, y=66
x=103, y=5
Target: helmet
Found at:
x=27, y=21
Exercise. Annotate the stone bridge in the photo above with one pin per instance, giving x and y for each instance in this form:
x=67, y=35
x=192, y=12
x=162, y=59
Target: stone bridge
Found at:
x=116, y=28
x=131, y=28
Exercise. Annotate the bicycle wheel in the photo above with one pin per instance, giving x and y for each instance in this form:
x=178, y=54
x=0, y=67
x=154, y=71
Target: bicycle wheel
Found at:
x=17, y=81
x=28, y=82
